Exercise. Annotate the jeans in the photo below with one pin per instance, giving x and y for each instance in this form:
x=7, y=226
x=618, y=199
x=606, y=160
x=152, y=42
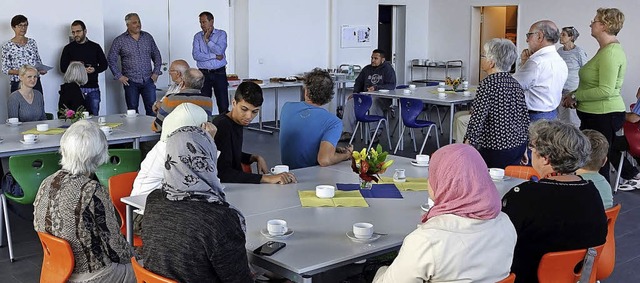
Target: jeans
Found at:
x=551, y=115
x=92, y=100
x=502, y=158
x=607, y=124
x=217, y=79
x=148, y=91
x=16, y=85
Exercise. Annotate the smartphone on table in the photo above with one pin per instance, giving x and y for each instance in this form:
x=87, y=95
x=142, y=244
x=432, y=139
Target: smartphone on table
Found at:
x=269, y=248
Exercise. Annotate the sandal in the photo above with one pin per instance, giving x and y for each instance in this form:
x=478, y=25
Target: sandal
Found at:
x=629, y=185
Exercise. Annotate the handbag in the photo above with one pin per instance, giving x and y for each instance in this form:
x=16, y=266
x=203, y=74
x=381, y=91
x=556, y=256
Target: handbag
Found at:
x=9, y=185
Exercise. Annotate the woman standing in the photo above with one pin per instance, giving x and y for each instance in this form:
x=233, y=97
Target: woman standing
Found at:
x=20, y=51
x=499, y=119
x=597, y=99
x=575, y=58
x=26, y=103
x=71, y=96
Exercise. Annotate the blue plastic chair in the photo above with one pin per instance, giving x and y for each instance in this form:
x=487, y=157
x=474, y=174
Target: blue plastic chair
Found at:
x=410, y=109
x=361, y=105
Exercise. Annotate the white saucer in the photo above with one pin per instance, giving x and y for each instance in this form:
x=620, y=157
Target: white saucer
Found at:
x=415, y=163
x=88, y=117
x=500, y=180
x=266, y=234
x=426, y=206
x=383, y=90
x=24, y=142
x=358, y=240
x=14, y=124
x=102, y=124
x=399, y=180
x=130, y=116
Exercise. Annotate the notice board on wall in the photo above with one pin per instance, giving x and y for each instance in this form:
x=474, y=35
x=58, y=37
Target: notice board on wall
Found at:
x=355, y=36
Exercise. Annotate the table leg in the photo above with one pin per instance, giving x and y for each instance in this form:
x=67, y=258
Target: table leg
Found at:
x=452, y=107
x=136, y=143
x=129, y=223
x=260, y=127
x=400, y=137
x=307, y=279
x=276, y=111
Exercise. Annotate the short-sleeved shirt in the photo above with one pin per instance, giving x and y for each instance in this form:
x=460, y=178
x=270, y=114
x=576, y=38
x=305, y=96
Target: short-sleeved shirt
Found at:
x=303, y=127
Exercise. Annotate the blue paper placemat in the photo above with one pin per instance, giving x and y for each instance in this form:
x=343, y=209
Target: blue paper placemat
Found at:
x=377, y=191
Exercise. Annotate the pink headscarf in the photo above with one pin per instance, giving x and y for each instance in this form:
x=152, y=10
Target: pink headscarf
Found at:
x=461, y=184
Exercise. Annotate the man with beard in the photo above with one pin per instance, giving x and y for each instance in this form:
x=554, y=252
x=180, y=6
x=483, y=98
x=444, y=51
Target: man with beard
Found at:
x=91, y=55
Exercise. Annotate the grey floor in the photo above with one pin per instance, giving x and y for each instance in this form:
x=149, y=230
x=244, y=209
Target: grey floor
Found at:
x=28, y=252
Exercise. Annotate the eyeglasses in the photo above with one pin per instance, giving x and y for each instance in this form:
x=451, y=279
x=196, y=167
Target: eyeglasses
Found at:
x=22, y=25
x=529, y=34
x=592, y=21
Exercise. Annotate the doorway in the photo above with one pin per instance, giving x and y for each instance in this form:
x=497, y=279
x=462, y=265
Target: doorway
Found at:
x=391, y=37
x=488, y=22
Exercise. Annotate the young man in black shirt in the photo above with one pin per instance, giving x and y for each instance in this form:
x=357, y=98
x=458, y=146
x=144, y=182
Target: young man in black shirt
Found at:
x=246, y=105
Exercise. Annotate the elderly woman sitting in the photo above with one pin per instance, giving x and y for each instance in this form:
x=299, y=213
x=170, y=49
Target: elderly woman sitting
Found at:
x=181, y=244
x=72, y=205
x=560, y=212
x=71, y=96
x=466, y=210
x=499, y=120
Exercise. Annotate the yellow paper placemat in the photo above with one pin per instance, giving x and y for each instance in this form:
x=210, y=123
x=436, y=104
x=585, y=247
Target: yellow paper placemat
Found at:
x=50, y=131
x=341, y=198
x=411, y=184
x=471, y=89
x=113, y=125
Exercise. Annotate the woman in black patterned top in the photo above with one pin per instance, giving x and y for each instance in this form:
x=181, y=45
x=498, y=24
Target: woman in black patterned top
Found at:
x=499, y=119
x=72, y=205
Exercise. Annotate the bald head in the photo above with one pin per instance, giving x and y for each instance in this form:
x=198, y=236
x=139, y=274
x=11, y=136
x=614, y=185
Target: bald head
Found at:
x=549, y=30
x=177, y=69
x=193, y=79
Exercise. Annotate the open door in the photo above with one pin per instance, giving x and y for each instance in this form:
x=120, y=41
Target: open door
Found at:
x=392, y=37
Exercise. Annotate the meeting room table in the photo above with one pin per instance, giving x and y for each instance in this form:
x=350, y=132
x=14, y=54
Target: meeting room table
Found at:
x=319, y=241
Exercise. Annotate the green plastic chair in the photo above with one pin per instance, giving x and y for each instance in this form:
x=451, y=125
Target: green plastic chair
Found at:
x=49, y=115
x=29, y=170
x=120, y=161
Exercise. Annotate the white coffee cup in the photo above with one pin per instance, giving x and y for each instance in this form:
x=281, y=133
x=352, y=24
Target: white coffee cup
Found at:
x=86, y=115
x=42, y=127
x=363, y=230
x=399, y=175
x=106, y=130
x=441, y=89
x=442, y=84
x=13, y=120
x=276, y=227
x=422, y=159
x=102, y=120
x=412, y=87
x=466, y=93
x=30, y=138
x=496, y=173
x=131, y=112
x=279, y=169
x=406, y=91
x=325, y=191
x=442, y=95
x=465, y=85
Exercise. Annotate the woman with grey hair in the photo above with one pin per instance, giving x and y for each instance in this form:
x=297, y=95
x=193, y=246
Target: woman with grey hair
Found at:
x=71, y=96
x=560, y=212
x=72, y=205
x=499, y=118
x=575, y=58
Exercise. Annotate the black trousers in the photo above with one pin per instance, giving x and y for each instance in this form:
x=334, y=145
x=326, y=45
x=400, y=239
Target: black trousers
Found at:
x=607, y=124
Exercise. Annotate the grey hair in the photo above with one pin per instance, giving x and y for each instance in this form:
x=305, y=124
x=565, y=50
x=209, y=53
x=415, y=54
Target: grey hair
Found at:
x=83, y=147
x=566, y=147
x=549, y=30
x=502, y=52
x=128, y=16
x=181, y=66
x=76, y=73
x=319, y=86
x=193, y=78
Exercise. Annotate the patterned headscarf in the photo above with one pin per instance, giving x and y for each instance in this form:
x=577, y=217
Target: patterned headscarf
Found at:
x=190, y=169
x=462, y=188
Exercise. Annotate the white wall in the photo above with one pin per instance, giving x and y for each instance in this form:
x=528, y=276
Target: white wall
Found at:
x=450, y=37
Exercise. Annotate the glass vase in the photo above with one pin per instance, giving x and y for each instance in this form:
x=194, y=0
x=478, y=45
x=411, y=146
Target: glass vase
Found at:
x=365, y=185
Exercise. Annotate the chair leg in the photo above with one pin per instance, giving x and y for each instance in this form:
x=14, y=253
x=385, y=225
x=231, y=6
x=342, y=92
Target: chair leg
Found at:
x=373, y=137
x=413, y=138
x=7, y=225
x=399, y=139
x=617, y=184
x=354, y=133
x=1, y=223
x=386, y=124
x=426, y=137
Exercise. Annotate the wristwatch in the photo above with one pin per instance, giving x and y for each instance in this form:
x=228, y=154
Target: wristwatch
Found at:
x=573, y=96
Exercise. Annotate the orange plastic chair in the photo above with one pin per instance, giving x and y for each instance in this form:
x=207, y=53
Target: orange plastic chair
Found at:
x=559, y=267
x=58, y=260
x=120, y=186
x=246, y=168
x=146, y=276
x=510, y=279
x=608, y=258
x=522, y=172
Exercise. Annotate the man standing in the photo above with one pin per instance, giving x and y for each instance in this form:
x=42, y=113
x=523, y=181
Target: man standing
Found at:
x=176, y=72
x=192, y=80
x=209, y=46
x=376, y=76
x=91, y=55
x=136, y=49
x=309, y=133
x=543, y=72
x=245, y=106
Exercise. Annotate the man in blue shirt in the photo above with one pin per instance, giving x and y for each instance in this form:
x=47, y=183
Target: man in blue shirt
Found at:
x=309, y=133
x=209, y=46
x=136, y=49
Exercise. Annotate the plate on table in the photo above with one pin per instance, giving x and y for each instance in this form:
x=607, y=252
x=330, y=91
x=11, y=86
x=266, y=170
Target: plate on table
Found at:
x=130, y=116
x=352, y=237
x=415, y=163
x=14, y=124
x=500, y=180
x=426, y=206
x=26, y=142
x=383, y=90
x=266, y=234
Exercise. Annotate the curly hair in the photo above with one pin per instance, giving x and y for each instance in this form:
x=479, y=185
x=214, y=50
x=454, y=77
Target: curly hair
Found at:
x=611, y=18
x=319, y=86
x=563, y=144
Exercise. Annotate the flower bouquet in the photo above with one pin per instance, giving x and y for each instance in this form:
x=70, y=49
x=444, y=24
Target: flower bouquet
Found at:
x=368, y=165
x=454, y=83
x=70, y=114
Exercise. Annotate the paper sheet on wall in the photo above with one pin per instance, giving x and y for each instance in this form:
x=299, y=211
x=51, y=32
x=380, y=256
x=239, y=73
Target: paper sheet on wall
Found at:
x=355, y=36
